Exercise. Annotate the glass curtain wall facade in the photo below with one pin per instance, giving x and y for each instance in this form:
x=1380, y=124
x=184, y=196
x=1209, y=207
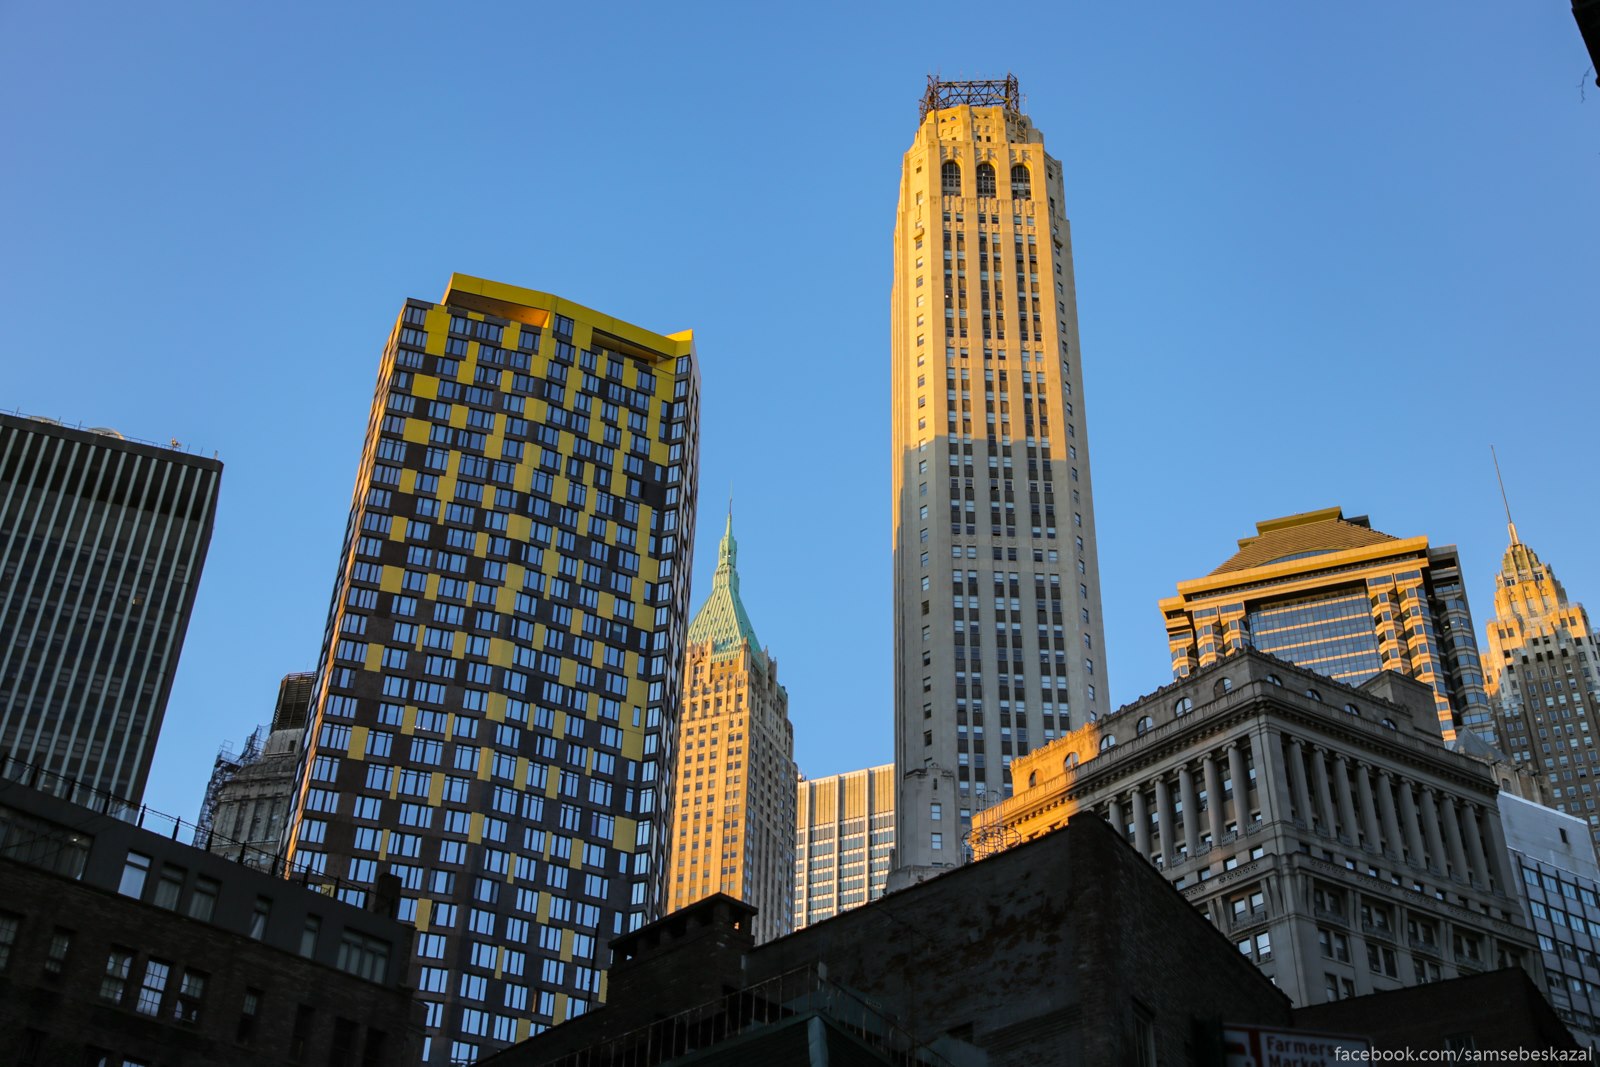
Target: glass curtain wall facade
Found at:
x=497, y=697
x=101, y=544
x=1332, y=635
x=1340, y=598
x=998, y=639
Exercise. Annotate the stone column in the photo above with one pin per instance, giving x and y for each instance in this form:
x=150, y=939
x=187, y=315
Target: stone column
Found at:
x=1114, y=816
x=1411, y=821
x=1475, y=850
x=1271, y=777
x=1141, y=822
x=1500, y=864
x=1452, y=838
x=1297, y=780
x=1164, y=824
x=1431, y=827
x=1191, y=811
x=1241, y=785
x=1369, y=807
x=1386, y=811
x=1347, y=803
x=1319, y=776
x=1214, y=799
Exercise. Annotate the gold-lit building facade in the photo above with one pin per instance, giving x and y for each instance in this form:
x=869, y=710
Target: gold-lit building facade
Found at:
x=844, y=842
x=733, y=830
x=1332, y=594
x=998, y=639
x=497, y=699
x=1327, y=829
x=1542, y=666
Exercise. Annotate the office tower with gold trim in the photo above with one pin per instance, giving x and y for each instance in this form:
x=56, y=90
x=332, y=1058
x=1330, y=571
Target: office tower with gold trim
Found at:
x=998, y=639
x=734, y=827
x=1334, y=595
x=496, y=705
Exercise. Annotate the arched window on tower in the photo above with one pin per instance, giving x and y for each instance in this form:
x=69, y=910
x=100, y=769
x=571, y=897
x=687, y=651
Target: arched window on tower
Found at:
x=950, y=177
x=985, y=180
x=1021, y=184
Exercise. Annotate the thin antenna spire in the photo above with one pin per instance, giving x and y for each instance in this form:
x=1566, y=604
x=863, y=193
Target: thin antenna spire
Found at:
x=1510, y=526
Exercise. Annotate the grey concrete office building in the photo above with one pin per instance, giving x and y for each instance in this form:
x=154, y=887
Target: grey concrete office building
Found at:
x=101, y=544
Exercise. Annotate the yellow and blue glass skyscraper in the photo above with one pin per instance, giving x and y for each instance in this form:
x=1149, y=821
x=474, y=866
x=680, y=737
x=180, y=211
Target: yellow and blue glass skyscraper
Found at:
x=498, y=690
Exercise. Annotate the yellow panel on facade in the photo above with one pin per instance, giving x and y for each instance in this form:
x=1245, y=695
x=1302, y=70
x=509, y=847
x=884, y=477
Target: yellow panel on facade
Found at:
x=435, y=789
x=390, y=580
x=475, y=828
x=424, y=913
x=416, y=431
x=485, y=762
x=425, y=387
x=397, y=529
x=358, y=742
x=374, y=658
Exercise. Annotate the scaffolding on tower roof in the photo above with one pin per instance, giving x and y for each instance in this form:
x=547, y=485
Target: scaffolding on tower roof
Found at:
x=941, y=94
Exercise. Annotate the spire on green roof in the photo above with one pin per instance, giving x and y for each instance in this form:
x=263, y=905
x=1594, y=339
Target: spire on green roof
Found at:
x=722, y=619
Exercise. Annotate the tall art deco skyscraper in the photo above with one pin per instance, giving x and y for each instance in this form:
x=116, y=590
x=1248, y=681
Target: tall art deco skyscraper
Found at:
x=998, y=641
x=735, y=822
x=1542, y=663
x=498, y=692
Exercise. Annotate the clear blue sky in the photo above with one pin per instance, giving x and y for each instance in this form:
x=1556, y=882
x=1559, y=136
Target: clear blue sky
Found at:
x=1325, y=255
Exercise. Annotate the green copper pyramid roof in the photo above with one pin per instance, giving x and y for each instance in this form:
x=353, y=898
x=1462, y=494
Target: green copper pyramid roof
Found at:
x=722, y=619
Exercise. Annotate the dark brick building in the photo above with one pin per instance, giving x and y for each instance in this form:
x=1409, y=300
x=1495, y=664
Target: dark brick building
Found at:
x=121, y=946
x=1066, y=950
x=1498, y=1010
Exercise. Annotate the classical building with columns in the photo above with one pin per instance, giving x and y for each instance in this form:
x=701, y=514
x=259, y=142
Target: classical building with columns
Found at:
x=1326, y=828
